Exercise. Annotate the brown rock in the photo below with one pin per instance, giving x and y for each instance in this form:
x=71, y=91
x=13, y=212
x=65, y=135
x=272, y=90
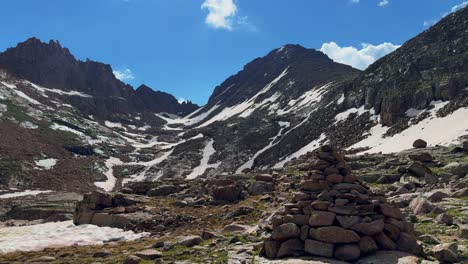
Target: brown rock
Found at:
x=420, y=205
x=299, y=220
x=445, y=252
x=371, y=228
x=264, y=177
x=304, y=232
x=320, y=205
x=408, y=243
x=132, y=260
x=291, y=248
x=347, y=252
x=331, y=171
x=317, y=248
x=149, y=254
x=334, y=178
x=270, y=248
x=419, y=143
x=311, y=185
x=321, y=218
x=335, y=234
x=390, y=211
x=392, y=231
x=286, y=231
x=348, y=220
x=367, y=245
x=350, y=178
x=301, y=196
x=384, y=242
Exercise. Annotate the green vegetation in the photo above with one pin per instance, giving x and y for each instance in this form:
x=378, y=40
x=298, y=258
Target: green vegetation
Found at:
x=18, y=113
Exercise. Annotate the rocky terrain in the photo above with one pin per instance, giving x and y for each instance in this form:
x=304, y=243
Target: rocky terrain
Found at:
x=94, y=171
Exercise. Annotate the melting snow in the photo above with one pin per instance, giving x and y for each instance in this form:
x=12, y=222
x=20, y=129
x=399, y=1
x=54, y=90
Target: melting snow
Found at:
x=307, y=148
x=57, y=91
x=344, y=115
x=46, y=163
x=20, y=93
x=200, y=169
x=55, y=126
x=341, y=99
x=435, y=130
x=59, y=234
x=113, y=125
x=238, y=109
x=273, y=142
x=109, y=184
x=308, y=98
x=19, y=194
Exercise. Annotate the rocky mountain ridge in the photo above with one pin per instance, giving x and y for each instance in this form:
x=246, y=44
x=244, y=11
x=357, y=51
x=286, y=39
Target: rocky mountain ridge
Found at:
x=276, y=109
x=53, y=66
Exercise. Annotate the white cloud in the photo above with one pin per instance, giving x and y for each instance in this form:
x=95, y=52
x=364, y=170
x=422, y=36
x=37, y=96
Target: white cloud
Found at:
x=354, y=1
x=124, y=75
x=221, y=13
x=357, y=58
x=383, y=3
x=456, y=8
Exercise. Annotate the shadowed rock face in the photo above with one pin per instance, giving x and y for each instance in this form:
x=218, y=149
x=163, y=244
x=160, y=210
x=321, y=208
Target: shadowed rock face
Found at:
x=53, y=66
x=432, y=66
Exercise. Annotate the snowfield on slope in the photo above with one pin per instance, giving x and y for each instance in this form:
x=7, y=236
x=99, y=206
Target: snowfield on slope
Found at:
x=23, y=193
x=59, y=234
x=208, y=151
x=434, y=130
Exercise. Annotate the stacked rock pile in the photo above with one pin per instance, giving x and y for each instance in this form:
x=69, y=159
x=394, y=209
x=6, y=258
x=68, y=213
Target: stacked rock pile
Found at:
x=334, y=215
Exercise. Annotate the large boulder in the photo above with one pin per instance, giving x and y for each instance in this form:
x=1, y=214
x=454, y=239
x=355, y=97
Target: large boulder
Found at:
x=334, y=234
x=286, y=231
x=318, y=248
x=445, y=252
x=229, y=193
x=260, y=187
x=419, y=169
x=291, y=248
x=421, y=205
x=347, y=252
x=419, y=143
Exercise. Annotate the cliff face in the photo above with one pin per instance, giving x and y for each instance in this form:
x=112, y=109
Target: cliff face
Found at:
x=432, y=66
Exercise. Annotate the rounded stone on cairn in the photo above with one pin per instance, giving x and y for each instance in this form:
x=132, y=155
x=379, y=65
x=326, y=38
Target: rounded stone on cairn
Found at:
x=286, y=231
x=371, y=228
x=334, y=178
x=367, y=245
x=347, y=252
x=321, y=218
x=335, y=234
x=390, y=211
x=318, y=248
x=419, y=143
x=291, y=248
x=384, y=242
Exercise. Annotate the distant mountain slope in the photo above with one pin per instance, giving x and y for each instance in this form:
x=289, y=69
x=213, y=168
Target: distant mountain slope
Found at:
x=51, y=65
x=432, y=66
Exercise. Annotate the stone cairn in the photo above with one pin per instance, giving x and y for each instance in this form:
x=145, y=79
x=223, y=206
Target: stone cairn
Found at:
x=334, y=215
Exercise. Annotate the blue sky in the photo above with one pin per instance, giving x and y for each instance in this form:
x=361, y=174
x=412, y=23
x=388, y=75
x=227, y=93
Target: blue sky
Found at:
x=187, y=47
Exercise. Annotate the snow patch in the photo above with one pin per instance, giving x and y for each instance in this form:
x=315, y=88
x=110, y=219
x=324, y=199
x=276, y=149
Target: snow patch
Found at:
x=344, y=115
x=59, y=234
x=435, y=130
x=238, y=109
x=56, y=126
x=109, y=184
x=273, y=142
x=307, y=148
x=20, y=194
x=46, y=164
x=57, y=91
x=113, y=125
x=341, y=99
x=20, y=93
x=200, y=169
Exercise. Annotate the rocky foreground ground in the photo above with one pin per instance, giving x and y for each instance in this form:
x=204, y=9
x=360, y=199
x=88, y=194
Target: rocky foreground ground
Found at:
x=227, y=219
